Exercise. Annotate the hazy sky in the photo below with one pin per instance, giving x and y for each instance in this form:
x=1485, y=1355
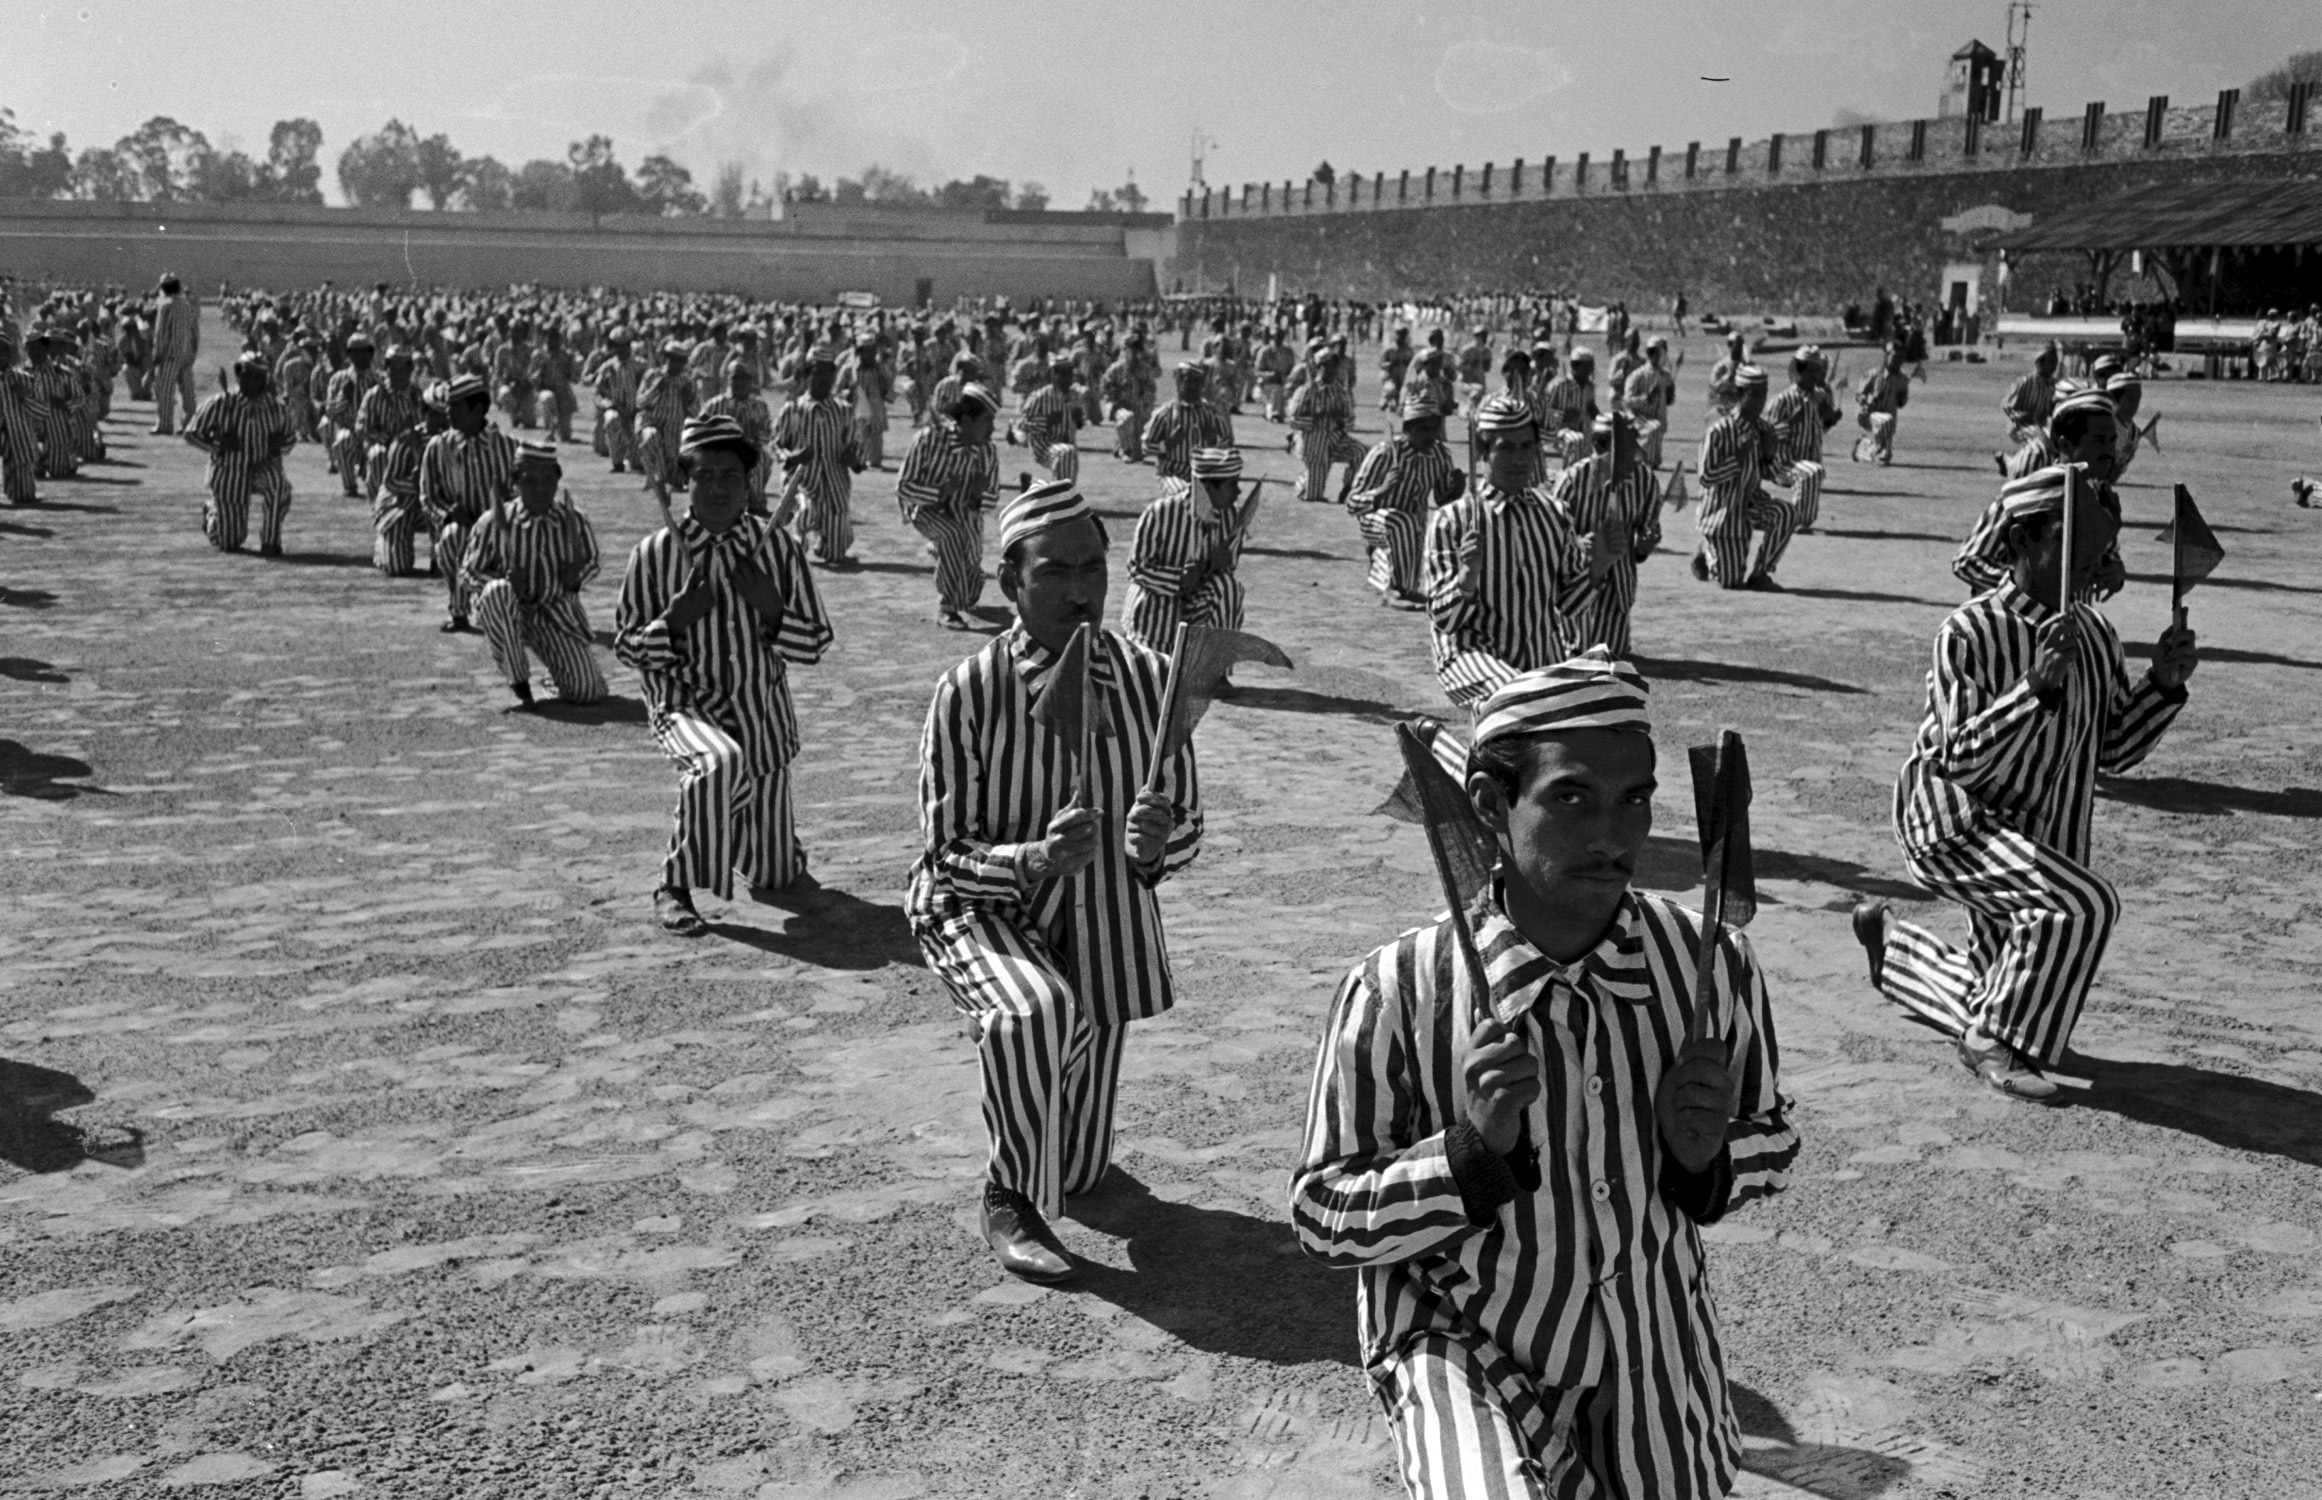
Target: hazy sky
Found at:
x=1073, y=94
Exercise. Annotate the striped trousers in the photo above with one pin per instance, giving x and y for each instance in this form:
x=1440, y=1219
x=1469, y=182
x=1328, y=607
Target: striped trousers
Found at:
x=657, y=456
x=20, y=464
x=60, y=447
x=826, y=522
x=1395, y=538
x=2038, y=924
x=1804, y=481
x=1877, y=443
x=728, y=817
x=1603, y=618
x=226, y=518
x=396, y=521
x=1318, y=449
x=1129, y=431
x=615, y=434
x=173, y=381
x=871, y=433
x=1470, y=1425
x=1061, y=460
x=557, y=633
x=451, y=545
x=1727, y=541
x=959, y=554
x=1050, y=1079
x=349, y=455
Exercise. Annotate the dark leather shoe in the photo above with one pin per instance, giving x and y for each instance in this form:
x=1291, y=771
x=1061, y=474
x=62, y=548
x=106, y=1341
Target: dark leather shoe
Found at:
x=2007, y=1071
x=1870, y=930
x=1022, y=1240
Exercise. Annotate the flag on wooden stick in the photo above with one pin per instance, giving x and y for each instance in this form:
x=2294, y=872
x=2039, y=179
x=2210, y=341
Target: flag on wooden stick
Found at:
x=1070, y=708
x=1198, y=667
x=1433, y=794
x=2197, y=552
x=1721, y=806
x=1674, y=494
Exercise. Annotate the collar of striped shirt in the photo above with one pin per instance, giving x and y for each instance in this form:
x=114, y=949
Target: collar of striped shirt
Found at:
x=1492, y=495
x=1034, y=661
x=1521, y=974
x=697, y=540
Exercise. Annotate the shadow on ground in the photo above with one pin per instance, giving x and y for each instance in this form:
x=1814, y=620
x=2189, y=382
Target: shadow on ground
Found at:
x=2143, y=651
x=1674, y=864
x=831, y=929
x=1682, y=669
x=31, y=1139
x=25, y=772
x=611, y=710
x=1224, y=1282
x=2243, y=1114
x=2176, y=794
x=25, y=669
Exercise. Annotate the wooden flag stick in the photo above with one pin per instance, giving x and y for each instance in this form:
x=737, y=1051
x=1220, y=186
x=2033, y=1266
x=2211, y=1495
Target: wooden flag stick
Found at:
x=1169, y=697
x=2177, y=559
x=2064, y=558
x=1700, y=1026
x=1084, y=793
x=1478, y=979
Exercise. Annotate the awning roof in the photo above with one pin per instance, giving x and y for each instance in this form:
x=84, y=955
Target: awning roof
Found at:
x=2287, y=212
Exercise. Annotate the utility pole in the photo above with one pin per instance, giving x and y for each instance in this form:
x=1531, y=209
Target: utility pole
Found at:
x=1203, y=143
x=2019, y=41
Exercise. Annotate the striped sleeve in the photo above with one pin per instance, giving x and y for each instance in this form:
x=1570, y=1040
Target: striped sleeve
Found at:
x=582, y=539
x=1469, y=669
x=640, y=635
x=918, y=485
x=207, y=429
x=2136, y=716
x=1982, y=561
x=951, y=773
x=1721, y=455
x=1361, y=1196
x=805, y=633
x=1375, y=478
x=1761, y=1143
x=1162, y=549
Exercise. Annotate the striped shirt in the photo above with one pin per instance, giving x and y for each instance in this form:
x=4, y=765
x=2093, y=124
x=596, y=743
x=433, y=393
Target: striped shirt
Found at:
x=460, y=477
x=1527, y=569
x=1596, y=1276
x=1991, y=754
x=1584, y=492
x=825, y=429
x=941, y=473
x=1795, y=423
x=386, y=411
x=1883, y=390
x=1983, y=560
x=1732, y=469
x=2029, y=401
x=664, y=400
x=1179, y=529
x=991, y=778
x=1178, y=429
x=532, y=550
x=616, y=381
x=177, y=331
x=244, y=438
x=731, y=667
x=399, y=475
x=1321, y=406
x=1647, y=393
x=343, y=398
x=1398, y=475
x=1049, y=418
x=1568, y=405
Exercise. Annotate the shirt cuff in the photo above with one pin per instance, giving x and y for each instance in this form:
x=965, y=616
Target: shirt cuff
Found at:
x=1486, y=1182
x=2175, y=695
x=1702, y=1195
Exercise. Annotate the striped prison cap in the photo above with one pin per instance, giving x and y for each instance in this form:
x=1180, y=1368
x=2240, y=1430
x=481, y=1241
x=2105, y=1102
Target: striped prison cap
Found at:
x=1589, y=691
x=1041, y=508
x=1217, y=463
x=701, y=434
x=1502, y=412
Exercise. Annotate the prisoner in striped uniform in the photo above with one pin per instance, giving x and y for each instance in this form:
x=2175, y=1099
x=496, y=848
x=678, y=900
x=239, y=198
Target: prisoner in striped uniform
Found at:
x=817, y=431
x=1040, y=914
x=966, y=370
x=1646, y=396
x=2031, y=399
x=1396, y=487
x=245, y=432
x=1050, y=420
x=1183, y=558
x=1593, y=501
x=59, y=407
x=1734, y=502
x=464, y=473
x=1182, y=426
x=177, y=341
x=524, y=566
x=713, y=612
x=293, y=373
x=1879, y=403
x=342, y=404
x=740, y=401
x=1322, y=417
x=2083, y=429
x=2027, y=704
x=1795, y=423
x=950, y=477
x=22, y=414
x=397, y=517
x=1503, y=566
x=615, y=381
x=386, y=411
x=1568, y=409
x=664, y=401
x=1125, y=390
x=1519, y=1177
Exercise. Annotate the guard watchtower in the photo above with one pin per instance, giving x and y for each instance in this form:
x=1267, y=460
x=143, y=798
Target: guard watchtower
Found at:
x=1973, y=84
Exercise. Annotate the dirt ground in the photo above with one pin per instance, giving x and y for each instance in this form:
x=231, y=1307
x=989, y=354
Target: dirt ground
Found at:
x=363, y=1136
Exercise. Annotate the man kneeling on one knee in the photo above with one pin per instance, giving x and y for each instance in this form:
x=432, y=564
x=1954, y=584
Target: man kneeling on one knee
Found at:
x=524, y=568
x=1519, y=1176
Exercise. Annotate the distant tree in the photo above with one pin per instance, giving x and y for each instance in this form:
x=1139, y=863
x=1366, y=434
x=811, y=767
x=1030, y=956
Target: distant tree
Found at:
x=666, y=188
x=726, y=196
x=1847, y=117
x=1031, y=197
x=489, y=187
x=442, y=171
x=291, y=174
x=162, y=153
x=221, y=176
x=1325, y=174
x=807, y=188
x=847, y=191
x=1128, y=198
x=599, y=183
x=977, y=192
x=543, y=186
x=381, y=170
x=2299, y=67
x=881, y=185
x=29, y=169
x=101, y=175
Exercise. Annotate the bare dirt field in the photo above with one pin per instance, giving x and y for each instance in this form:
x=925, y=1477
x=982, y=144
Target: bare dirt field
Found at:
x=363, y=1136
